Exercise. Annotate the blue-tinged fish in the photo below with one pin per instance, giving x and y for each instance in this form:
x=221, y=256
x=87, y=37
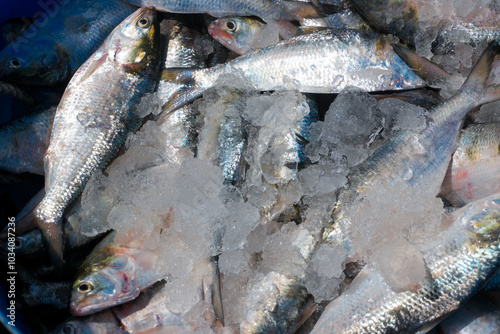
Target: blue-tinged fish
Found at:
x=323, y=62
x=52, y=48
x=474, y=172
x=93, y=119
x=16, y=92
x=458, y=264
x=25, y=141
x=479, y=315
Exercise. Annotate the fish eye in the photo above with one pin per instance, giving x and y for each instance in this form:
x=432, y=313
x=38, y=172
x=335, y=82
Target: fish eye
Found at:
x=85, y=287
x=231, y=25
x=143, y=22
x=69, y=329
x=15, y=63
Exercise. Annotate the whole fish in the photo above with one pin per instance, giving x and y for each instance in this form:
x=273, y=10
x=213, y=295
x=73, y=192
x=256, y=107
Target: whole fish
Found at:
x=479, y=315
x=475, y=167
x=444, y=23
x=458, y=264
x=89, y=126
x=322, y=62
x=25, y=141
x=426, y=153
x=59, y=41
x=265, y=9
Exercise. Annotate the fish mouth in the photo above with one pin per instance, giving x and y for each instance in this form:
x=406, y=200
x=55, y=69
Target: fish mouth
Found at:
x=78, y=309
x=219, y=34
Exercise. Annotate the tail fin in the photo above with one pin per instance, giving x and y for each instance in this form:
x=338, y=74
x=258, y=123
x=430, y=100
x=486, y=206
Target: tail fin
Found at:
x=187, y=92
x=422, y=67
x=479, y=77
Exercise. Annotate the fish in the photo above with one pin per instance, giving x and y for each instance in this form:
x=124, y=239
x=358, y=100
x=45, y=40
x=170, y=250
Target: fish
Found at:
x=15, y=27
x=386, y=167
x=98, y=323
x=265, y=9
x=479, y=315
x=315, y=63
x=114, y=272
x=89, y=129
x=52, y=48
x=451, y=25
x=458, y=264
x=475, y=167
x=25, y=141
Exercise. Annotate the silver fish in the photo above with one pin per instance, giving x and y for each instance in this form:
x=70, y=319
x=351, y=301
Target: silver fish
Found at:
x=25, y=141
x=458, y=265
x=89, y=128
x=60, y=40
x=316, y=63
x=475, y=167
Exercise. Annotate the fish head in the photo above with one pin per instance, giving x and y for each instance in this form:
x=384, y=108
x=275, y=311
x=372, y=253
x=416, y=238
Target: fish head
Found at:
x=135, y=43
x=100, y=323
x=41, y=63
x=29, y=243
x=109, y=281
x=236, y=33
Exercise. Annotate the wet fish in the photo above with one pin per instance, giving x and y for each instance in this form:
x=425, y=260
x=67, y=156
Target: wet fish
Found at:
x=99, y=323
x=25, y=141
x=89, y=128
x=388, y=165
x=114, y=273
x=451, y=24
x=60, y=40
x=479, y=315
x=15, y=27
x=458, y=265
x=316, y=63
x=475, y=167
x=265, y=9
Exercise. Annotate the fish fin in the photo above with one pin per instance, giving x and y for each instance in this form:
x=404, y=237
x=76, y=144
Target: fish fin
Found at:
x=52, y=234
x=305, y=314
x=287, y=29
x=424, y=68
x=478, y=78
x=181, y=98
x=213, y=288
x=309, y=10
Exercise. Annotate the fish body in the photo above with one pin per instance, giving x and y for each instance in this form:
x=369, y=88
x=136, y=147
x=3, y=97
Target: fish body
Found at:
x=480, y=315
x=114, y=273
x=475, y=167
x=458, y=265
x=265, y=9
x=62, y=39
x=25, y=141
x=94, y=117
x=453, y=23
x=322, y=62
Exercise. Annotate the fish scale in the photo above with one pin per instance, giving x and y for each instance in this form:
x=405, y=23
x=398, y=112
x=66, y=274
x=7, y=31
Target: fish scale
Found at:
x=89, y=126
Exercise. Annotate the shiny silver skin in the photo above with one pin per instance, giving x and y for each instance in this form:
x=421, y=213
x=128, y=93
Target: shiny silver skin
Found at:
x=60, y=40
x=89, y=126
x=323, y=62
x=474, y=172
x=458, y=264
x=25, y=141
x=479, y=315
x=452, y=23
x=265, y=9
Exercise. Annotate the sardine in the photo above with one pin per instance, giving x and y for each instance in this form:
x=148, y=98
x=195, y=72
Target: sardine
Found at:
x=474, y=172
x=58, y=42
x=445, y=23
x=426, y=153
x=480, y=315
x=458, y=265
x=316, y=63
x=89, y=126
x=115, y=272
x=25, y=141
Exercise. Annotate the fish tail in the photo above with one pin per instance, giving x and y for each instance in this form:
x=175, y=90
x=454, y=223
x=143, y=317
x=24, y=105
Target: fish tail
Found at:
x=422, y=67
x=478, y=79
x=52, y=234
x=186, y=94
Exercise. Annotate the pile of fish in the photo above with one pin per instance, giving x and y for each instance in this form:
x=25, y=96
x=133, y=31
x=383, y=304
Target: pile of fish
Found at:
x=253, y=166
